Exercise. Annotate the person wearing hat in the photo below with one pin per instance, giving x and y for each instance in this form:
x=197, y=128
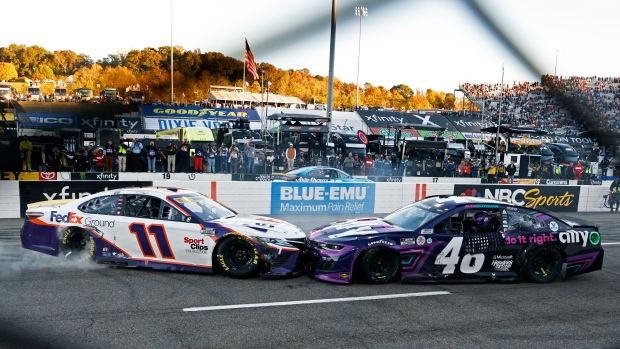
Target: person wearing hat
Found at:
x=223, y=151
x=25, y=147
x=291, y=155
x=171, y=149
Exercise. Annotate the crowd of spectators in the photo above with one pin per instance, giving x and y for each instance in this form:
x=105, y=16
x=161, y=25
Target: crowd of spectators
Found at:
x=523, y=104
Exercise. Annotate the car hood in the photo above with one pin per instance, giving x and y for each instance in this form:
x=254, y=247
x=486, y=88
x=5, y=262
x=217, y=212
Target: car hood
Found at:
x=259, y=226
x=353, y=228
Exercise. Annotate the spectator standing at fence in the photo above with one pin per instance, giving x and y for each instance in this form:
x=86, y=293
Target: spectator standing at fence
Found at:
x=136, y=155
x=501, y=171
x=260, y=161
x=466, y=168
x=108, y=151
x=491, y=169
x=511, y=169
x=569, y=172
x=233, y=159
x=291, y=155
x=387, y=166
x=475, y=165
x=198, y=157
x=25, y=147
x=450, y=167
x=171, y=151
x=578, y=170
x=160, y=161
x=223, y=152
x=99, y=160
x=357, y=165
x=604, y=165
x=369, y=165
x=151, y=157
x=211, y=156
x=557, y=171
x=348, y=164
x=251, y=154
x=45, y=160
x=121, y=154
x=184, y=156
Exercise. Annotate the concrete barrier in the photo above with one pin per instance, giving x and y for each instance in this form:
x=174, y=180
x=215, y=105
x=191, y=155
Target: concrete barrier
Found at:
x=255, y=197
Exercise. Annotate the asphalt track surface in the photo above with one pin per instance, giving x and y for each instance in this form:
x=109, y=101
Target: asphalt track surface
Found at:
x=52, y=303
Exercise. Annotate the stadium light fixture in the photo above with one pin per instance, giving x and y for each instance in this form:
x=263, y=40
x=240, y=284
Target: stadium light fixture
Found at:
x=360, y=12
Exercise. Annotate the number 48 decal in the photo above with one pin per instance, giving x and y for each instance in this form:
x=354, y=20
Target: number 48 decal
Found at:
x=471, y=263
x=142, y=235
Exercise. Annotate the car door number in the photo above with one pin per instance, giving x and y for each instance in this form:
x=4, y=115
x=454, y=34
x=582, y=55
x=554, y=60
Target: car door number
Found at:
x=142, y=233
x=470, y=263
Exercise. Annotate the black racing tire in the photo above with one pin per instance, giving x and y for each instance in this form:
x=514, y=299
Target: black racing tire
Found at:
x=379, y=265
x=78, y=245
x=238, y=257
x=543, y=265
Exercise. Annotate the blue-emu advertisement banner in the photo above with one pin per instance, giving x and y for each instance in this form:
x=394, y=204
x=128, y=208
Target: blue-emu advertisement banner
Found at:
x=321, y=198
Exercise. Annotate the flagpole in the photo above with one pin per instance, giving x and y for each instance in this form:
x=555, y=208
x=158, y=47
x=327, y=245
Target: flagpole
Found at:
x=171, y=60
x=499, y=118
x=244, y=54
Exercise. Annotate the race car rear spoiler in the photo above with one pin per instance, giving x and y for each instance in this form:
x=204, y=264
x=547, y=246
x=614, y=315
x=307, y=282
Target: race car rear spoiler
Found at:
x=49, y=203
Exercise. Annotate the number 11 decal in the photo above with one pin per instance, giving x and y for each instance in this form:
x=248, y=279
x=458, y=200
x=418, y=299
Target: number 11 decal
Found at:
x=471, y=263
x=144, y=241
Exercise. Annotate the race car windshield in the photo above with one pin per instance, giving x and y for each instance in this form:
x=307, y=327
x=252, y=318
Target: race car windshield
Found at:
x=411, y=217
x=205, y=208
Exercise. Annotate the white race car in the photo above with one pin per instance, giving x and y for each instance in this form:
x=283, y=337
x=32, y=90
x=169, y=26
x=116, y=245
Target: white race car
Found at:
x=164, y=228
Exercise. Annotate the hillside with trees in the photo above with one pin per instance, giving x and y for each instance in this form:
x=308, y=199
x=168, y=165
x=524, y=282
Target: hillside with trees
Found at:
x=195, y=71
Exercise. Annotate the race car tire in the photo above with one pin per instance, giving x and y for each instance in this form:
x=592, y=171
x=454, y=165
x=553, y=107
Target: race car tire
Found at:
x=379, y=265
x=77, y=244
x=543, y=265
x=238, y=257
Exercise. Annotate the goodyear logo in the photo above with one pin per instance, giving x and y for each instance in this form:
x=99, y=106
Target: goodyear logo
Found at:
x=207, y=112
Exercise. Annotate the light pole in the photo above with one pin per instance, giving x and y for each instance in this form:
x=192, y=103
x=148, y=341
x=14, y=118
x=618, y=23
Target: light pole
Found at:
x=171, y=60
x=360, y=11
x=499, y=117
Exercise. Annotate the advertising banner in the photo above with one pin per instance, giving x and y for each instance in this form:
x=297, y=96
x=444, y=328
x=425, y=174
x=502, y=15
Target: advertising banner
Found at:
x=322, y=198
x=199, y=113
x=254, y=177
x=552, y=198
x=94, y=176
x=30, y=192
x=23, y=176
x=537, y=181
x=51, y=120
x=157, y=124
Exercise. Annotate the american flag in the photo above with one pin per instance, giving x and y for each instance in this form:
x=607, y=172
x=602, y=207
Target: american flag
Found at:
x=249, y=61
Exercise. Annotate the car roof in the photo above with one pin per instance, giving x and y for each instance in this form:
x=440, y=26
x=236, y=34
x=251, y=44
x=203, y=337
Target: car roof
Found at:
x=156, y=191
x=457, y=201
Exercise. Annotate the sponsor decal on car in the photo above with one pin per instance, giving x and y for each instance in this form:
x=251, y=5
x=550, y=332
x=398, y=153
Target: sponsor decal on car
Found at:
x=553, y=226
x=536, y=238
x=427, y=231
x=421, y=240
x=382, y=242
x=195, y=245
x=580, y=237
x=407, y=241
x=501, y=265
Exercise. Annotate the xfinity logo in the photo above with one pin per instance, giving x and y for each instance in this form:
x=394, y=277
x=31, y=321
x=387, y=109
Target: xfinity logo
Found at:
x=104, y=176
x=64, y=195
x=426, y=119
x=375, y=118
x=96, y=123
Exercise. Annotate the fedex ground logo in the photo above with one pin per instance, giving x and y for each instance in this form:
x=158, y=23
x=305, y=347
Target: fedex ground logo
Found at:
x=70, y=217
x=313, y=197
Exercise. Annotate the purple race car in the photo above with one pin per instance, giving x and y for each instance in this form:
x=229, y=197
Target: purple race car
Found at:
x=454, y=238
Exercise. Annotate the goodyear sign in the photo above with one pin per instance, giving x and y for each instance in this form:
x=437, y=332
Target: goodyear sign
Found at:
x=23, y=176
x=200, y=113
x=322, y=198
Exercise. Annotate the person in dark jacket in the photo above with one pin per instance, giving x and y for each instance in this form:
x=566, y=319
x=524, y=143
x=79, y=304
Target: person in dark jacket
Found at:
x=510, y=171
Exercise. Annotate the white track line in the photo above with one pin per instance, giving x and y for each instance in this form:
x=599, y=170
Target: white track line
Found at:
x=315, y=301
x=610, y=243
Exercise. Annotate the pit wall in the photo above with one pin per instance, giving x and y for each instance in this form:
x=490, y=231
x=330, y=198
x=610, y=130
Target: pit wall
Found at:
x=307, y=197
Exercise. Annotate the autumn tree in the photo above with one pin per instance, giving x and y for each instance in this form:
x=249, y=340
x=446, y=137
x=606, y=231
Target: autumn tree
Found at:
x=7, y=71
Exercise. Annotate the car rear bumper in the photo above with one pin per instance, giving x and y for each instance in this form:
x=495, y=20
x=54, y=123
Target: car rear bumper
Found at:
x=40, y=237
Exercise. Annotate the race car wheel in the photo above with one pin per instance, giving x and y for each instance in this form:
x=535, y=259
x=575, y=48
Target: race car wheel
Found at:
x=77, y=244
x=543, y=265
x=379, y=265
x=238, y=258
